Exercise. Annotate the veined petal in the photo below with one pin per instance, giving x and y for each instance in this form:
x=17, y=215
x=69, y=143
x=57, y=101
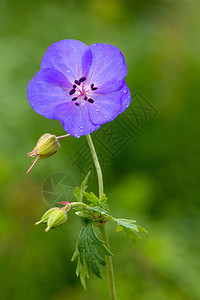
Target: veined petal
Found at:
x=47, y=89
x=126, y=98
x=70, y=57
x=75, y=119
x=107, y=107
x=108, y=68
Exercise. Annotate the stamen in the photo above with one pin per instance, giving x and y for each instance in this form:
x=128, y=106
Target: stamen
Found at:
x=90, y=100
x=74, y=86
x=72, y=91
x=94, y=88
x=77, y=104
x=74, y=98
x=77, y=82
x=82, y=79
x=85, y=98
x=92, y=85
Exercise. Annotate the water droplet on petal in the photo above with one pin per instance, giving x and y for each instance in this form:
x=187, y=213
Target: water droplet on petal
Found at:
x=124, y=89
x=68, y=70
x=94, y=45
x=97, y=109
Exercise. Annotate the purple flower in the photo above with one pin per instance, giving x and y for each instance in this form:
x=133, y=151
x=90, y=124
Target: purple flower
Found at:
x=81, y=86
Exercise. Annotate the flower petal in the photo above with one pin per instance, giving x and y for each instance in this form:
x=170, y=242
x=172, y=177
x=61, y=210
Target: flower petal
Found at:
x=47, y=89
x=70, y=57
x=108, y=68
x=75, y=119
x=107, y=107
x=126, y=98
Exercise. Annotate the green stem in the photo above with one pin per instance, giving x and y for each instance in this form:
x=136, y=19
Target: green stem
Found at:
x=97, y=166
x=109, y=264
x=102, y=226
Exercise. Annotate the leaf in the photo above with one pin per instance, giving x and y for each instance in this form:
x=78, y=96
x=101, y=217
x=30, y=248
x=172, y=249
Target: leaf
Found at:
x=142, y=230
x=84, y=182
x=91, y=197
x=130, y=228
x=85, y=221
x=77, y=194
x=104, y=202
x=127, y=223
x=101, y=211
x=89, y=246
x=81, y=269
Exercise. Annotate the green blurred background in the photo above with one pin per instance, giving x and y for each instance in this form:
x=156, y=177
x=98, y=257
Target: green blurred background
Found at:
x=153, y=179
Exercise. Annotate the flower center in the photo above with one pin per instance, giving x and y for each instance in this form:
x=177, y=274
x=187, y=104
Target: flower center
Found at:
x=80, y=92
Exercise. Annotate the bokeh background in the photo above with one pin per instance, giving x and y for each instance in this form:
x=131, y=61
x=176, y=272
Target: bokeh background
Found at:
x=154, y=178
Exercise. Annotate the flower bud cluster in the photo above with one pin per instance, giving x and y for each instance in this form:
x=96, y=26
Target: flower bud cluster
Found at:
x=55, y=217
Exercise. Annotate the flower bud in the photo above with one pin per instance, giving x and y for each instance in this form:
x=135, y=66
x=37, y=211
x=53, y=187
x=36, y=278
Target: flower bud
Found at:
x=46, y=216
x=46, y=146
x=56, y=218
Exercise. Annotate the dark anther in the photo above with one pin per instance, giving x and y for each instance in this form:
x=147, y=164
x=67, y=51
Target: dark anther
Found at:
x=77, y=104
x=92, y=85
x=94, y=88
x=74, y=86
x=90, y=100
x=77, y=82
x=72, y=91
x=74, y=98
x=85, y=98
x=82, y=79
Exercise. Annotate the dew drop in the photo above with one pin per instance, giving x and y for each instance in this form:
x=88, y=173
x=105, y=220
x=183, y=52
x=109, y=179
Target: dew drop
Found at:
x=94, y=45
x=97, y=109
x=124, y=89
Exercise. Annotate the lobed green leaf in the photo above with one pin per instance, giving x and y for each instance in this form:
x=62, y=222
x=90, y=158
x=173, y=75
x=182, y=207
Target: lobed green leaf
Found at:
x=91, y=197
x=89, y=246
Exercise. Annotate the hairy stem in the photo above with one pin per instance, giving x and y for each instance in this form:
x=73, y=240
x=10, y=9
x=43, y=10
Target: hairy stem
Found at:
x=97, y=166
x=102, y=226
